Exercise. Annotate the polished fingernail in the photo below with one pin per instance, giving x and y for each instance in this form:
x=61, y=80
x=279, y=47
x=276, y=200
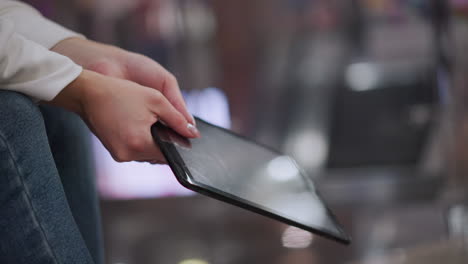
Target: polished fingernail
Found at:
x=193, y=130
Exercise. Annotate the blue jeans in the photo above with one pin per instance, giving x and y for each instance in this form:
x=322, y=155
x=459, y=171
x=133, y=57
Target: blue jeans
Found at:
x=48, y=203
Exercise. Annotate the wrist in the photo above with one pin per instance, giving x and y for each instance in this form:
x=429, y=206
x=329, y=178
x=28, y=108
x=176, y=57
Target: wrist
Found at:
x=73, y=96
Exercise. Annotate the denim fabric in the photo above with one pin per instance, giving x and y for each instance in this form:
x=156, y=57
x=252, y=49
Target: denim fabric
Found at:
x=48, y=204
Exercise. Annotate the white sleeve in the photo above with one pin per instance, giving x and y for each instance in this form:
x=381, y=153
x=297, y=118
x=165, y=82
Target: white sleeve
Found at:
x=32, y=25
x=30, y=68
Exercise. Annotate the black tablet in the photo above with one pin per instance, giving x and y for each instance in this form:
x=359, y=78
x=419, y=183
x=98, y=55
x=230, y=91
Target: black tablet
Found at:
x=233, y=169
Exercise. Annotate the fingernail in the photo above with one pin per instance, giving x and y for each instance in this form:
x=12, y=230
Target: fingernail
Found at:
x=193, y=130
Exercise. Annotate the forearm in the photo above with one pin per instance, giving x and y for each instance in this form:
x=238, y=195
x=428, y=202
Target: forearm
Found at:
x=87, y=53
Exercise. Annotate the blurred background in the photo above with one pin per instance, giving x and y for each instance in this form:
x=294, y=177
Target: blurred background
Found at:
x=369, y=96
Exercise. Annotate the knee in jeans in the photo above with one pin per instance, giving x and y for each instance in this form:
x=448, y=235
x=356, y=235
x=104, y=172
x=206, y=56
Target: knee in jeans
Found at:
x=17, y=109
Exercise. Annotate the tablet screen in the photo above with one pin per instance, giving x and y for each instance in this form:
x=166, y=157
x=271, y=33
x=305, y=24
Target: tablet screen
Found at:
x=236, y=170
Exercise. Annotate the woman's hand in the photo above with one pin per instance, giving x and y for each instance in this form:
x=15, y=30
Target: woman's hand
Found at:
x=120, y=95
x=115, y=62
x=121, y=113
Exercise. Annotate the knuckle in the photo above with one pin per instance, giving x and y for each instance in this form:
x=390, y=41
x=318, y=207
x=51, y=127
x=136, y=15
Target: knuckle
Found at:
x=157, y=97
x=136, y=141
x=121, y=155
x=136, y=144
x=172, y=80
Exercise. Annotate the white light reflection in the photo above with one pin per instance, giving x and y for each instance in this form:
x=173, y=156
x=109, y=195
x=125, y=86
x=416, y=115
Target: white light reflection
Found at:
x=282, y=168
x=193, y=261
x=309, y=148
x=362, y=76
x=303, y=206
x=294, y=237
x=200, y=21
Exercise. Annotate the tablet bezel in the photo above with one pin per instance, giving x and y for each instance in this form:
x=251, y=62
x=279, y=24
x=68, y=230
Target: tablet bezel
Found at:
x=184, y=177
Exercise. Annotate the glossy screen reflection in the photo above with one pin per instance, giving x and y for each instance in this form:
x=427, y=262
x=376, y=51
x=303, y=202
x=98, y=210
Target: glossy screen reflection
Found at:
x=249, y=175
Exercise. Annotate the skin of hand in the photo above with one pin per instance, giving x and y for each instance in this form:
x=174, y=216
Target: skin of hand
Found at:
x=116, y=62
x=120, y=95
x=120, y=113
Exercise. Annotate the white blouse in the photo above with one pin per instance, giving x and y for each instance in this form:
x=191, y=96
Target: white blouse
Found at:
x=26, y=63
